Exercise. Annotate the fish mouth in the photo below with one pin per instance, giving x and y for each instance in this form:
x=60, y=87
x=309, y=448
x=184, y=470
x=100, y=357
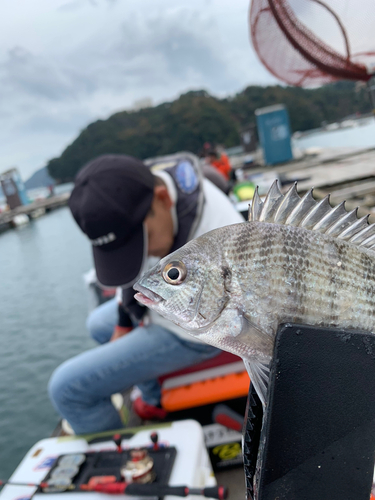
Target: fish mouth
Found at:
x=146, y=297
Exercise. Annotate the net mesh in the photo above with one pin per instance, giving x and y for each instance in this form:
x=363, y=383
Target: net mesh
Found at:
x=312, y=42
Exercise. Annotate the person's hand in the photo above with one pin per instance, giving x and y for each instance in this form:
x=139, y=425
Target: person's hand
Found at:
x=120, y=331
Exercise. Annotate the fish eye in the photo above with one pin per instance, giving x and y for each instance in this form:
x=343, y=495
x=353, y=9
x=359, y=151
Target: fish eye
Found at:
x=174, y=273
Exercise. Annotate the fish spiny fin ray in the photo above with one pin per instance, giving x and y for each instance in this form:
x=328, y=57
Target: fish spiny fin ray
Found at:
x=362, y=237
x=256, y=207
x=271, y=203
x=368, y=242
x=331, y=217
x=290, y=199
x=342, y=223
x=354, y=229
x=316, y=213
x=301, y=209
x=292, y=210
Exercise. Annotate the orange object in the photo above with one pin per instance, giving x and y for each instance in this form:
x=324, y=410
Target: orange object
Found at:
x=222, y=165
x=94, y=480
x=113, y=488
x=221, y=388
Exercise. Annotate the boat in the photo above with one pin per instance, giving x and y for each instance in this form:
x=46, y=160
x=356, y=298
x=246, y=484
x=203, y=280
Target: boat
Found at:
x=176, y=449
x=201, y=437
x=39, y=212
x=20, y=220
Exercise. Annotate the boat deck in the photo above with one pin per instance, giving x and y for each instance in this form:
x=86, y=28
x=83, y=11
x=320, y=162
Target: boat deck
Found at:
x=233, y=478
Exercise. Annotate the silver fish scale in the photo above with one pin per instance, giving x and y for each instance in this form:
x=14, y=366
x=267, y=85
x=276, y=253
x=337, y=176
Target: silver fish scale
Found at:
x=286, y=273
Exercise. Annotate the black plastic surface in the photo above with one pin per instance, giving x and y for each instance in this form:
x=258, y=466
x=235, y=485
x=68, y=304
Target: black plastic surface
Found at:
x=251, y=437
x=108, y=463
x=320, y=426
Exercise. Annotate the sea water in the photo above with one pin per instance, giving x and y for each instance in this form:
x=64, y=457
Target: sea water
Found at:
x=361, y=135
x=43, y=307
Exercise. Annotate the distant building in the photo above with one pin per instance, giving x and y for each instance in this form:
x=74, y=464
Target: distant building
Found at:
x=13, y=188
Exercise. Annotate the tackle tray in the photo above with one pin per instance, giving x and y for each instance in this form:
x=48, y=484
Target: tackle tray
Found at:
x=109, y=463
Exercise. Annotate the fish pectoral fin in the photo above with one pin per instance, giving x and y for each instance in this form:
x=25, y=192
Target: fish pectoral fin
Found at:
x=257, y=364
x=255, y=338
x=259, y=373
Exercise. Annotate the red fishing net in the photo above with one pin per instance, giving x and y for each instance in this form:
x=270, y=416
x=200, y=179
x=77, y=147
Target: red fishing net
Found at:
x=311, y=42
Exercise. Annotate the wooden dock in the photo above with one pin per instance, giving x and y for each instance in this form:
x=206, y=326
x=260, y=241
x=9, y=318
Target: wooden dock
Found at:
x=32, y=209
x=344, y=173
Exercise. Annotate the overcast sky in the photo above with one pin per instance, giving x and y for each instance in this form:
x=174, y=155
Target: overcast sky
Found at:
x=65, y=63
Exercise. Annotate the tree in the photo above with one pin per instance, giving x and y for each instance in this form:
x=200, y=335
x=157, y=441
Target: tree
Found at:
x=196, y=117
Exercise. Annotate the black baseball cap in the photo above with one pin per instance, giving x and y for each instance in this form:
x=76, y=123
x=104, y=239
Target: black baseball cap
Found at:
x=110, y=201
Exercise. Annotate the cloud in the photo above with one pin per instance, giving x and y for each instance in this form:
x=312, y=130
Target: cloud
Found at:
x=24, y=74
x=145, y=53
x=70, y=6
x=92, y=59
x=154, y=50
x=77, y=4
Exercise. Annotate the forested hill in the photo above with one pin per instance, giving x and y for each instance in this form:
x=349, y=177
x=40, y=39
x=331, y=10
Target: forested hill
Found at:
x=197, y=117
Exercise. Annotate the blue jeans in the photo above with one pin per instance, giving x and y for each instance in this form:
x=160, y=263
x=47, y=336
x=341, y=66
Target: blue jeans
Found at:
x=80, y=388
x=102, y=321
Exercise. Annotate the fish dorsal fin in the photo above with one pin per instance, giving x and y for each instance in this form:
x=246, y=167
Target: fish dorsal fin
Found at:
x=271, y=203
x=290, y=209
x=255, y=209
x=301, y=209
x=289, y=201
x=316, y=213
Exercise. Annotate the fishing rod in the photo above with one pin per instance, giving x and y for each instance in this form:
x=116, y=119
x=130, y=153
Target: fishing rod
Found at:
x=142, y=490
x=159, y=490
x=10, y=483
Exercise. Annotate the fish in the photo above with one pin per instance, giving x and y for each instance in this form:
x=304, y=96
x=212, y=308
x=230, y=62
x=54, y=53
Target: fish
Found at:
x=295, y=260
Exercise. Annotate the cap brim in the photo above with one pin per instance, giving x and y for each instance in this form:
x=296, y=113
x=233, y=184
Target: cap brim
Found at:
x=122, y=266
